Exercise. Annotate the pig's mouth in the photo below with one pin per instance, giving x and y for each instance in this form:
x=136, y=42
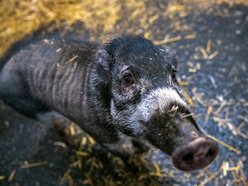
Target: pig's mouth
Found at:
x=195, y=155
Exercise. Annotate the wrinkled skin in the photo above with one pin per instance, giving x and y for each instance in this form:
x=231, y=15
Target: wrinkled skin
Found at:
x=123, y=90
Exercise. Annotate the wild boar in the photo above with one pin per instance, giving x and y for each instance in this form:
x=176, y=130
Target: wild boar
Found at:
x=123, y=89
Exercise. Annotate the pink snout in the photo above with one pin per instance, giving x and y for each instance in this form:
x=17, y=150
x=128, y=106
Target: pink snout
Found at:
x=195, y=155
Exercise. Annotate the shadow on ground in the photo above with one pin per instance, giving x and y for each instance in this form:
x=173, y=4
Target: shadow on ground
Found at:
x=211, y=42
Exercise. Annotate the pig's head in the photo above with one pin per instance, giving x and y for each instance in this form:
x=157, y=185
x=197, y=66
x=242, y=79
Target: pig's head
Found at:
x=146, y=102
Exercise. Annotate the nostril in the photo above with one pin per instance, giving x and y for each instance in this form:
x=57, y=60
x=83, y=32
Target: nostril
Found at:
x=210, y=153
x=188, y=158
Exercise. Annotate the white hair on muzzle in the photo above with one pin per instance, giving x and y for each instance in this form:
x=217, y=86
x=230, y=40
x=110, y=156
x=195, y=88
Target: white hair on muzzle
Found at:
x=166, y=96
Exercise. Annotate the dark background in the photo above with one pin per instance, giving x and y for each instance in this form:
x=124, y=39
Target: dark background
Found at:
x=210, y=39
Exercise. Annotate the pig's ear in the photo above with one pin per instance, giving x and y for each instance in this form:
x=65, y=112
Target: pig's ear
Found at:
x=102, y=59
x=171, y=57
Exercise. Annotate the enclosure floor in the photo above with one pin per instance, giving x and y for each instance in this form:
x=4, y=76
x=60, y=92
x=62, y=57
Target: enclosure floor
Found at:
x=211, y=44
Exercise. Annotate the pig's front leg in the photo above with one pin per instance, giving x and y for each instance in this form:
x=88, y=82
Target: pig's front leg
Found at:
x=127, y=148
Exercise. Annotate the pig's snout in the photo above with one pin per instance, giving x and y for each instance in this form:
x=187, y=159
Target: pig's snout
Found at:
x=195, y=155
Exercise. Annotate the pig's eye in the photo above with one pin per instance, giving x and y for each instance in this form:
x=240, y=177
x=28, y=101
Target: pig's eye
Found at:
x=127, y=79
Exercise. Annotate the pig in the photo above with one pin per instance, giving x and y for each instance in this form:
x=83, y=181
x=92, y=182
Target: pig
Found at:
x=123, y=90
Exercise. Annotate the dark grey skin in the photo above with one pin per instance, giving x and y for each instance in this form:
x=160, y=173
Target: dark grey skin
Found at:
x=124, y=89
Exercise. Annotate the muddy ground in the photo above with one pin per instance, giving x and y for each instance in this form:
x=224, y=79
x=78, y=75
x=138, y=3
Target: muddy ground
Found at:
x=211, y=42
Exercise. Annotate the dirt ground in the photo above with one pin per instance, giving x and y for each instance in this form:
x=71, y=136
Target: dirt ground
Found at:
x=211, y=42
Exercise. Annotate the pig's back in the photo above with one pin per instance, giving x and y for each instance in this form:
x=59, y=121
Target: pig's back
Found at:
x=50, y=72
